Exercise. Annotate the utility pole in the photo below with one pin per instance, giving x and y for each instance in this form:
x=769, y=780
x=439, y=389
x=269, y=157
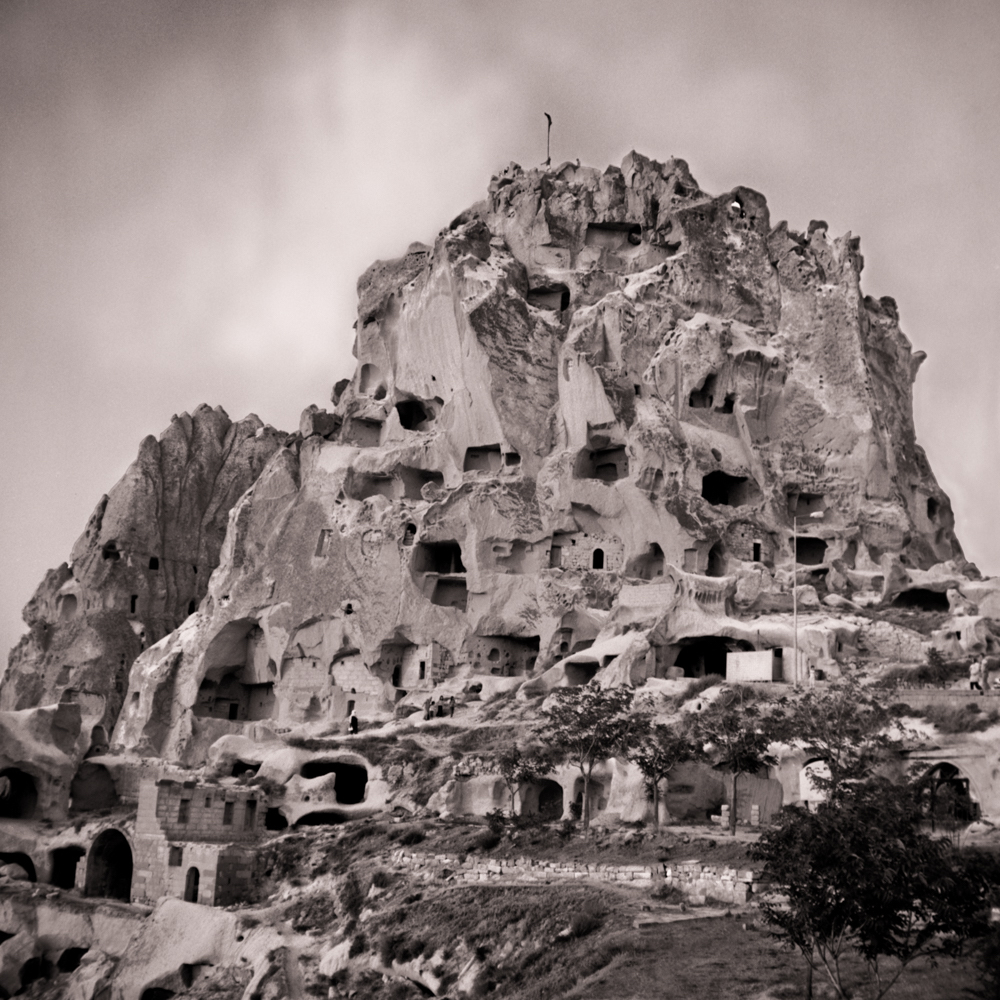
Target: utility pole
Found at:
x=548, y=136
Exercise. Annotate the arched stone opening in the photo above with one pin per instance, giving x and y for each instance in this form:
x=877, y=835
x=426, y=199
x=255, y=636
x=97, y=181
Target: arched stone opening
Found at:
x=543, y=799
x=351, y=779
x=716, y=560
x=92, y=788
x=191, y=883
x=18, y=858
x=109, y=867
x=947, y=797
x=18, y=794
x=922, y=600
x=580, y=673
x=64, y=864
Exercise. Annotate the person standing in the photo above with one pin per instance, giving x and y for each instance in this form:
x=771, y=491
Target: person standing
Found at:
x=975, y=674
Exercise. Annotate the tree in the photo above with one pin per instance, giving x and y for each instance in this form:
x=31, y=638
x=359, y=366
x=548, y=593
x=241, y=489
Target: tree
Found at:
x=733, y=734
x=587, y=724
x=858, y=874
x=846, y=728
x=517, y=767
x=656, y=749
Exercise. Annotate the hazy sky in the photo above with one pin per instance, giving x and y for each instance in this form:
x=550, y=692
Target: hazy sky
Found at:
x=189, y=190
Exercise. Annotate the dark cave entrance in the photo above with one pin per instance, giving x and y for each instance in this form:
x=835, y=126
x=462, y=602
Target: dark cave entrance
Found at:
x=352, y=779
x=64, y=864
x=18, y=794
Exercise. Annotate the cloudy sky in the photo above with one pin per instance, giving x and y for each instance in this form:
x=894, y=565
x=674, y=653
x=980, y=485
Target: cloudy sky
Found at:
x=190, y=188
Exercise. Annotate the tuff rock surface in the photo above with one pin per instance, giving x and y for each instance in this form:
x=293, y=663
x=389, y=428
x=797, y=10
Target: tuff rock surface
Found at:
x=581, y=431
x=140, y=567
x=589, y=411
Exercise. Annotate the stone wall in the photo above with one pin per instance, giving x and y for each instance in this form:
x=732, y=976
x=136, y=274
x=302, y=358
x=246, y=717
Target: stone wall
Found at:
x=696, y=881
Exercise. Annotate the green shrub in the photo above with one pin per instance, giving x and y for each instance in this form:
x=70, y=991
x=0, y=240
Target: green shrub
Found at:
x=352, y=894
x=585, y=922
x=486, y=840
x=496, y=821
x=968, y=718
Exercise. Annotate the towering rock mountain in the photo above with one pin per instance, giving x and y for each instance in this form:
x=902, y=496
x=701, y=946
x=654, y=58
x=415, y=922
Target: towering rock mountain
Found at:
x=141, y=566
x=586, y=417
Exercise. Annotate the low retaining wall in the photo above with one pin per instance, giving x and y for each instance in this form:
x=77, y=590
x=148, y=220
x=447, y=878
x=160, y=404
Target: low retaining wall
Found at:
x=696, y=881
x=925, y=697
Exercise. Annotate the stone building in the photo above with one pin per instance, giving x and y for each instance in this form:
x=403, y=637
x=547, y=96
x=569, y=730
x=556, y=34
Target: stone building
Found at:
x=195, y=841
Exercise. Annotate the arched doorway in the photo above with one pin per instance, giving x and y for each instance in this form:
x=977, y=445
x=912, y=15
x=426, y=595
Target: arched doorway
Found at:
x=109, y=867
x=191, y=885
x=550, y=800
x=18, y=795
x=23, y=861
x=947, y=798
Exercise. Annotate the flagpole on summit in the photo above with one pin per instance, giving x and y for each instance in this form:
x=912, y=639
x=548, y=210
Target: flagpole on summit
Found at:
x=548, y=135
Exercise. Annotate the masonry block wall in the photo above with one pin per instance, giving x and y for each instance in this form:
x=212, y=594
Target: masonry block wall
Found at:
x=185, y=826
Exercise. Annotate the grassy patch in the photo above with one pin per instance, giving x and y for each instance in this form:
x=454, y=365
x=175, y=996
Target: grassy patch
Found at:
x=968, y=718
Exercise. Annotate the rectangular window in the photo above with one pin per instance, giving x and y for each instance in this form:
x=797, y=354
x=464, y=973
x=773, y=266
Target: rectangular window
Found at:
x=227, y=814
x=184, y=811
x=176, y=857
x=250, y=816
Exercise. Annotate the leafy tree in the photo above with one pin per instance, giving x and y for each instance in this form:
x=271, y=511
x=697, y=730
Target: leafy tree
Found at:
x=656, y=749
x=734, y=734
x=586, y=724
x=845, y=727
x=519, y=766
x=858, y=874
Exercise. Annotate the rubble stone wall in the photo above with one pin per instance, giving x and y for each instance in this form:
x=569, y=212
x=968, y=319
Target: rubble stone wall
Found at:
x=696, y=881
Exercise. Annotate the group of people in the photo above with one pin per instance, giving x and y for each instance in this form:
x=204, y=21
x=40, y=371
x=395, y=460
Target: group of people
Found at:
x=984, y=674
x=440, y=708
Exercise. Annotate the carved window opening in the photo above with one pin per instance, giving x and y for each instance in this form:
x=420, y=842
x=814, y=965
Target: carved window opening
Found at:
x=703, y=397
x=553, y=297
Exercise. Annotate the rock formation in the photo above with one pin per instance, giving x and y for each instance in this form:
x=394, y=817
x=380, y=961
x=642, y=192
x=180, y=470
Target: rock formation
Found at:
x=141, y=566
x=593, y=385
x=608, y=426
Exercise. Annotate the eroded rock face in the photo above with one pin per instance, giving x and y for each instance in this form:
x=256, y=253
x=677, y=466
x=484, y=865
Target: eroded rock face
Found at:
x=141, y=566
x=592, y=379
